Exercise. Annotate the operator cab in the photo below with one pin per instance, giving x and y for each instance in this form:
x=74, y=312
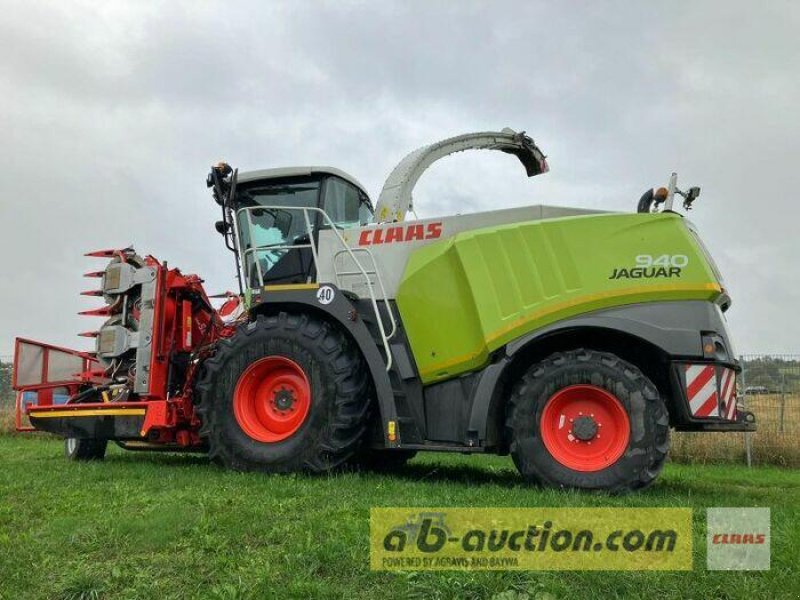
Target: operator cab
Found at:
x=264, y=210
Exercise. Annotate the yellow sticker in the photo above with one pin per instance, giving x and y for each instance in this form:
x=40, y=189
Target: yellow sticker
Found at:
x=594, y=539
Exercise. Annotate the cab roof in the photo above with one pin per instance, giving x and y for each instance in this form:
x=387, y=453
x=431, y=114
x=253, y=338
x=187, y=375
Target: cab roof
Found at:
x=283, y=172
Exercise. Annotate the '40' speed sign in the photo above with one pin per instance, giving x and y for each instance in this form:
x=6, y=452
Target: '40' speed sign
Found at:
x=325, y=294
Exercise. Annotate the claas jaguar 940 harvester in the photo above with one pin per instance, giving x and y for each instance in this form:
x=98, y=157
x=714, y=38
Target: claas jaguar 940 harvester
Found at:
x=572, y=339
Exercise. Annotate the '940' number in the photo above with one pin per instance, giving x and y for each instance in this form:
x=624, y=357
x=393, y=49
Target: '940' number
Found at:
x=665, y=260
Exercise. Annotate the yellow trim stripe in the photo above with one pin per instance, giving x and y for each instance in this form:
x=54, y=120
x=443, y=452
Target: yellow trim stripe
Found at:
x=136, y=444
x=116, y=412
x=433, y=370
x=287, y=287
x=673, y=287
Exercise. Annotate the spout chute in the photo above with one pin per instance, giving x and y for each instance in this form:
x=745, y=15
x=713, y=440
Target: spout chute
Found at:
x=395, y=199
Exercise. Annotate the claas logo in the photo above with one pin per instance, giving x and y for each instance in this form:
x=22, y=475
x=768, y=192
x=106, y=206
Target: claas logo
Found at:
x=400, y=233
x=739, y=538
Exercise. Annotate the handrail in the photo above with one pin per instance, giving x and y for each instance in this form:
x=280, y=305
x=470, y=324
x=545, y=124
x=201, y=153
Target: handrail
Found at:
x=309, y=230
x=377, y=275
x=258, y=264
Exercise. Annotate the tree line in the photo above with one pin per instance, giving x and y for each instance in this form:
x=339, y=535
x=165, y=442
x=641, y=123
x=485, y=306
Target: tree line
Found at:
x=775, y=373
x=6, y=393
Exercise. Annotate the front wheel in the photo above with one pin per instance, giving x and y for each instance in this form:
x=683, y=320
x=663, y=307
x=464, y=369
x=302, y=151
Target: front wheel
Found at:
x=80, y=449
x=287, y=392
x=588, y=419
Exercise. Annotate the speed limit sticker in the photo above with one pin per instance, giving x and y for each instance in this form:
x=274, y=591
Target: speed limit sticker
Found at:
x=325, y=294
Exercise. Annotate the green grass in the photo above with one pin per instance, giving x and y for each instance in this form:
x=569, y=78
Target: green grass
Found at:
x=171, y=526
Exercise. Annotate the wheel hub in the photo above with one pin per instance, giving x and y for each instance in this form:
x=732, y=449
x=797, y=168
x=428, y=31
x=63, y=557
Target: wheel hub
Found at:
x=272, y=399
x=284, y=399
x=584, y=428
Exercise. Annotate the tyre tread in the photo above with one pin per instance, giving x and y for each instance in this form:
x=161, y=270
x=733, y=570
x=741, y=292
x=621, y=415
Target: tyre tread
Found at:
x=344, y=364
x=656, y=410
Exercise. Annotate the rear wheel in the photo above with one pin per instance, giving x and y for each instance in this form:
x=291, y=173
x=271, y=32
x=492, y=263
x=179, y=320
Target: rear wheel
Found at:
x=588, y=419
x=287, y=392
x=80, y=449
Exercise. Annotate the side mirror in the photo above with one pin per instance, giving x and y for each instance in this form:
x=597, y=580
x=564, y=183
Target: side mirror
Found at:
x=222, y=227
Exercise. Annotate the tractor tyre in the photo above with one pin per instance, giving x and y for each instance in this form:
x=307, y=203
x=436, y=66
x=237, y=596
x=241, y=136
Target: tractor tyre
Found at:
x=85, y=449
x=370, y=459
x=587, y=419
x=286, y=392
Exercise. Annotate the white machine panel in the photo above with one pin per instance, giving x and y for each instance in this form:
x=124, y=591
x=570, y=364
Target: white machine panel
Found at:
x=390, y=244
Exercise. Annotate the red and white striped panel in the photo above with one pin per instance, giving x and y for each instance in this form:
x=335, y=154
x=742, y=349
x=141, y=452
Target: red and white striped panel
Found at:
x=701, y=389
x=727, y=390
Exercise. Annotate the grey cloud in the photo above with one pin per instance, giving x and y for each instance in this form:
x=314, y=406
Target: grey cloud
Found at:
x=111, y=114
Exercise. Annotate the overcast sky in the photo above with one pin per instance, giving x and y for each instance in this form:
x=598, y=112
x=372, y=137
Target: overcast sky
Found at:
x=112, y=113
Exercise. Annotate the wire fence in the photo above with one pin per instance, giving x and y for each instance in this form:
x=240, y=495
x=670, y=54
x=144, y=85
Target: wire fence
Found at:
x=769, y=387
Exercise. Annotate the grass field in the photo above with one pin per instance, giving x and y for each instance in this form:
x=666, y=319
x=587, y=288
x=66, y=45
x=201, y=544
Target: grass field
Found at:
x=172, y=526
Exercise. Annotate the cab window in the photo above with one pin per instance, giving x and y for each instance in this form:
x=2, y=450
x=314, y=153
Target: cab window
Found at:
x=267, y=231
x=345, y=204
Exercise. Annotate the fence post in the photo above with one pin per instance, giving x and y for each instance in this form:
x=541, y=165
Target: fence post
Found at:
x=783, y=401
x=748, y=450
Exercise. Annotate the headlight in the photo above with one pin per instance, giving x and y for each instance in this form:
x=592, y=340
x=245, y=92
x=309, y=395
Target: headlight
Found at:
x=714, y=347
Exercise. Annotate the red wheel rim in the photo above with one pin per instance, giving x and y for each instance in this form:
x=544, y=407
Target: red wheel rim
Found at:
x=272, y=399
x=585, y=428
